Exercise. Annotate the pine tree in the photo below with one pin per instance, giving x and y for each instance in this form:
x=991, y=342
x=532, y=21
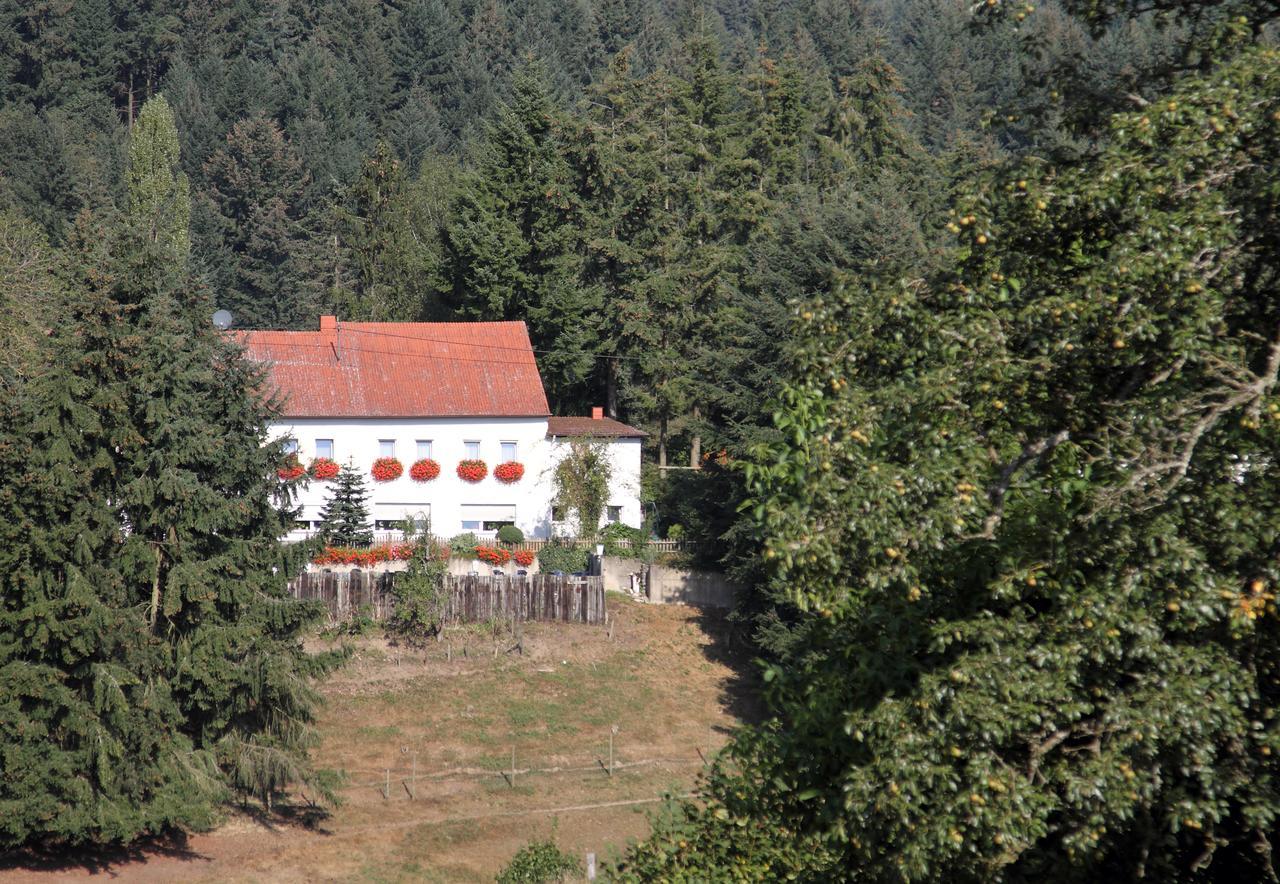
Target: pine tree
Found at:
x=159, y=196
x=344, y=520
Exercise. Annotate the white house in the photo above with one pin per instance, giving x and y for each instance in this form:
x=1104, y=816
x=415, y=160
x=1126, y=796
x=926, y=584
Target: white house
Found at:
x=355, y=392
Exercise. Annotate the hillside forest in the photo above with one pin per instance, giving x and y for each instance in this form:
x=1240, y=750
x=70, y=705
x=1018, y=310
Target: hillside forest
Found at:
x=952, y=325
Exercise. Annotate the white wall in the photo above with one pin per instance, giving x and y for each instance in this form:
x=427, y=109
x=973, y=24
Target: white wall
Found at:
x=443, y=498
x=624, y=481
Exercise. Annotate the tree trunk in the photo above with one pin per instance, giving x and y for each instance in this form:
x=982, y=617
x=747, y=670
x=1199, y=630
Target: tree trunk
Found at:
x=695, y=447
x=611, y=389
x=662, y=441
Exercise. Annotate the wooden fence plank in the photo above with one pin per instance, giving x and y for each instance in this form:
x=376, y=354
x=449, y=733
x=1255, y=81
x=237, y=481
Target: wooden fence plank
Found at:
x=467, y=599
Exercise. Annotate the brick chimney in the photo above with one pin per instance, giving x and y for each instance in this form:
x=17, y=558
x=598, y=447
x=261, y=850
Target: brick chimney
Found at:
x=328, y=324
x=597, y=413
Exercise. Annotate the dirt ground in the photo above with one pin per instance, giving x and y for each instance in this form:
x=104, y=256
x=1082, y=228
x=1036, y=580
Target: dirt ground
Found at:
x=443, y=722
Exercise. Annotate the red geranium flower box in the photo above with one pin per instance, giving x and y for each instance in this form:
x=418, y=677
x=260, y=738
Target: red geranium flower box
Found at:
x=424, y=470
x=291, y=470
x=345, y=555
x=324, y=468
x=494, y=555
x=472, y=470
x=511, y=471
x=524, y=557
x=387, y=469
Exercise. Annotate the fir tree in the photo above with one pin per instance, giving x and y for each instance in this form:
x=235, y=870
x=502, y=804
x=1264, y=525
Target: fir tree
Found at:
x=256, y=185
x=344, y=521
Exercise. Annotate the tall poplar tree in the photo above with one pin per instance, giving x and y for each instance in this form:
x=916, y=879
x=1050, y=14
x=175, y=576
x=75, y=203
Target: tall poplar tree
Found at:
x=159, y=195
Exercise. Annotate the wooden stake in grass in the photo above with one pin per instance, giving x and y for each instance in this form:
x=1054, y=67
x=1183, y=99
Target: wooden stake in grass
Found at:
x=386, y=789
x=513, y=767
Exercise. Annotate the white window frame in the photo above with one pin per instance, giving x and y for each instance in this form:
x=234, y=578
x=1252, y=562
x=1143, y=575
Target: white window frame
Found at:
x=467, y=447
x=386, y=448
x=424, y=449
x=502, y=447
x=332, y=449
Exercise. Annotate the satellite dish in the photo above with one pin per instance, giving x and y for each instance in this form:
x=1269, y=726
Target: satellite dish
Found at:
x=222, y=319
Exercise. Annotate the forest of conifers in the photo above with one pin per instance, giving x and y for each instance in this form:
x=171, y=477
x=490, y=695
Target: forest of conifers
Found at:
x=968, y=312
x=650, y=182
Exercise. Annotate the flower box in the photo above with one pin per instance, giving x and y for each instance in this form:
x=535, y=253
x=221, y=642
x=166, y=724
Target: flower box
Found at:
x=494, y=555
x=472, y=470
x=323, y=469
x=424, y=470
x=524, y=557
x=291, y=471
x=387, y=469
x=511, y=471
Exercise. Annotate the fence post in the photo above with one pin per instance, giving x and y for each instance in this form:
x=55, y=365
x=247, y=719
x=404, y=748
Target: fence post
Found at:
x=386, y=790
x=513, y=767
x=591, y=866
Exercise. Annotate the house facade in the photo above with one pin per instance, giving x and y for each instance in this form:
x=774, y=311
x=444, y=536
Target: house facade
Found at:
x=437, y=394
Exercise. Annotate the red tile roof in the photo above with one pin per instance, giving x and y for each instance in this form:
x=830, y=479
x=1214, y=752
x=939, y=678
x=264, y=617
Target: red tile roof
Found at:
x=403, y=369
x=591, y=426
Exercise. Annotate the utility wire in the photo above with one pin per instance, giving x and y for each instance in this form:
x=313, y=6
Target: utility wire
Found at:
x=381, y=334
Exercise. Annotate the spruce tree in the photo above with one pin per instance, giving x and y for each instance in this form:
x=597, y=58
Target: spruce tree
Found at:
x=92, y=742
x=256, y=185
x=202, y=562
x=344, y=521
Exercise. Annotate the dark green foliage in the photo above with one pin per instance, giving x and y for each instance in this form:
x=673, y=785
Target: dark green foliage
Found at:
x=623, y=540
x=560, y=556
x=1024, y=511
x=419, y=590
x=510, y=534
x=464, y=545
x=256, y=185
x=345, y=517
x=540, y=862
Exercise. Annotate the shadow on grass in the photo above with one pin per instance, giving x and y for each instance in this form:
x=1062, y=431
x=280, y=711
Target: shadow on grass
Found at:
x=100, y=860
x=730, y=646
x=112, y=860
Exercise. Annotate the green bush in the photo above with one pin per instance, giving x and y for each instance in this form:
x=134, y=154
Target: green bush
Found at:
x=623, y=540
x=464, y=545
x=510, y=534
x=560, y=556
x=540, y=862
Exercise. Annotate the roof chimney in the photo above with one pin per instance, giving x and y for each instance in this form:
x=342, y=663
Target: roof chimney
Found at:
x=597, y=413
x=328, y=323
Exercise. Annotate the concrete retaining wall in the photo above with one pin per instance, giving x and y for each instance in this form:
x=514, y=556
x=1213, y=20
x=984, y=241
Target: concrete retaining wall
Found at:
x=699, y=588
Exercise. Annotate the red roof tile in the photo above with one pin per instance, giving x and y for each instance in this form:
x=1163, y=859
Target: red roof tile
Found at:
x=403, y=369
x=591, y=426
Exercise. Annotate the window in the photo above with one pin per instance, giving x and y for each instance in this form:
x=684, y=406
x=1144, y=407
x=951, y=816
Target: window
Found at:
x=487, y=517
x=508, y=451
x=392, y=516
x=386, y=448
x=324, y=448
x=424, y=449
x=473, y=450
x=615, y=514
x=290, y=446
x=557, y=514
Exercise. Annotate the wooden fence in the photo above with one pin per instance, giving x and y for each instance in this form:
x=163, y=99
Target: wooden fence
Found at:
x=469, y=599
x=533, y=545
